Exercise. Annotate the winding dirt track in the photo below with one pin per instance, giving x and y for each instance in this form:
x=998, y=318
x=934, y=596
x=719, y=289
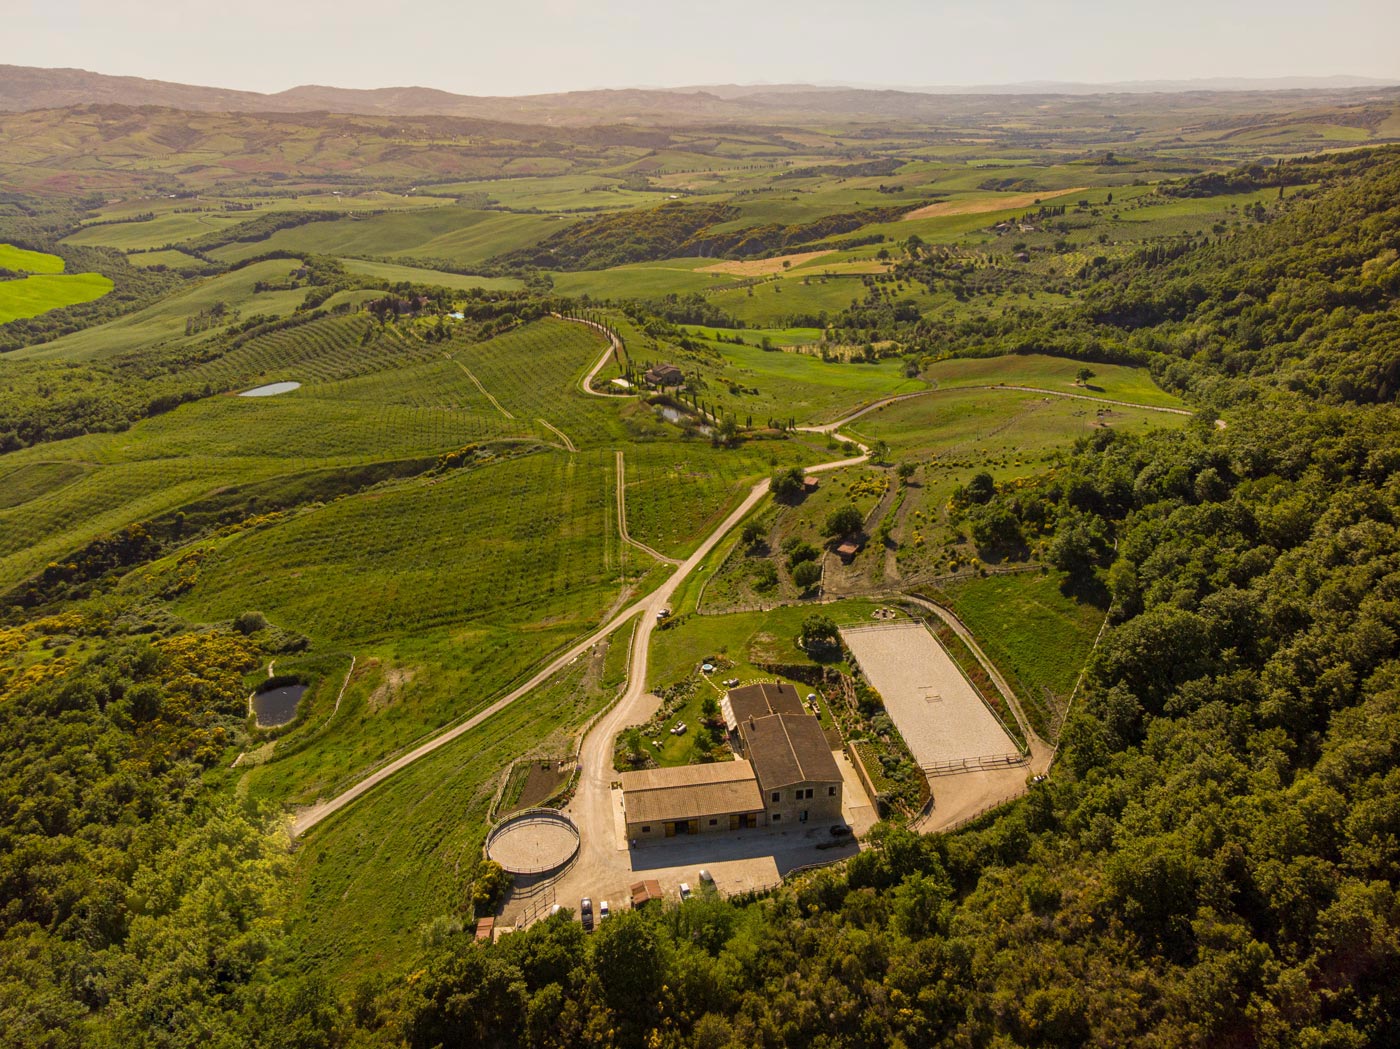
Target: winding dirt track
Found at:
x=614, y=348
x=622, y=516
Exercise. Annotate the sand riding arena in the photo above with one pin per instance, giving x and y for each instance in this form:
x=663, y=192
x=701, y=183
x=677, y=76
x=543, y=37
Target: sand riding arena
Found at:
x=947, y=725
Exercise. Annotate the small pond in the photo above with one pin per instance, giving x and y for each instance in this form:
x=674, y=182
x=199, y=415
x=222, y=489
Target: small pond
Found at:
x=272, y=389
x=277, y=706
x=678, y=419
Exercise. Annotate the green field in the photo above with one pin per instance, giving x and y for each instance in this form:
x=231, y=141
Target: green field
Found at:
x=421, y=833
x=1110, y=381
x=47, y=286
x=459, y=235
x=524, y=541
x=418, y=275
x=22, y=259
x=43, y=292
x=804, y=386
x=1037, y=636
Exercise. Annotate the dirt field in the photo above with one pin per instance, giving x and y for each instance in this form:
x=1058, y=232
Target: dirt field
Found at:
x=942, y=719
x=998, y=202
x=763, y=267
x=542, y=779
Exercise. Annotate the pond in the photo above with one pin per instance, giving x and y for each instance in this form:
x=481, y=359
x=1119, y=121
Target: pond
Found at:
x=678, y=418
x=277, y=706
x=272, y=389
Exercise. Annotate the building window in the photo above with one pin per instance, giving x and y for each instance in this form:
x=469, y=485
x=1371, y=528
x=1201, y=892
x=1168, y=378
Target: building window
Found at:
x=777, y=816
x=714, y=823
x=809, y=793
x=777, y=796
x=831, y=792
x=646, y=828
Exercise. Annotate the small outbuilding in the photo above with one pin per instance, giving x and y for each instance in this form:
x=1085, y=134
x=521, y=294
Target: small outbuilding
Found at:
x=847, y=550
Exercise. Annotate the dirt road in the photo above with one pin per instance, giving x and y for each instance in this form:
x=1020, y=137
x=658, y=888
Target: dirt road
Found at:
x=592, y=804
x=622, y=516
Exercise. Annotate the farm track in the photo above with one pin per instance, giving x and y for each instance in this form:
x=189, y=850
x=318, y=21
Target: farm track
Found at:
x=614, y=348
x=622, y=515
x=484, y=391
x=561, y=435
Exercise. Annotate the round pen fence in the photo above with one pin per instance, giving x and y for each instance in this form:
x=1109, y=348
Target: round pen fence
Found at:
x=533, y=842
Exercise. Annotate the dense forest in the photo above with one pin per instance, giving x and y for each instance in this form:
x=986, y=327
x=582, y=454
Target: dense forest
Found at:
x=1213, y=860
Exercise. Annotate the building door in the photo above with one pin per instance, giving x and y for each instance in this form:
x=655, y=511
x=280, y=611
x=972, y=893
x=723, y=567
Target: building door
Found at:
x=670, y=830
x=693, y=827
x=803, y=818
x=734, y=822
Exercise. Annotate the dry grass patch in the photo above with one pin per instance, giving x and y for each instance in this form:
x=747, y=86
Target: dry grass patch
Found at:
x=978, y=205
x=765, y=267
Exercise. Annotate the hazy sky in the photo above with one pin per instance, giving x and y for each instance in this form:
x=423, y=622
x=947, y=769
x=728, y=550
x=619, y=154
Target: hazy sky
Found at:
x=524, y=46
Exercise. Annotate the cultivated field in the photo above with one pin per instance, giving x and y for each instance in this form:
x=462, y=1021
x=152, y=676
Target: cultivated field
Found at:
x=945, y=723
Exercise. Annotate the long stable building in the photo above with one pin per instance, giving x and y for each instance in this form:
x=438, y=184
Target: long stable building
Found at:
x=786, y=774
x=691, y=799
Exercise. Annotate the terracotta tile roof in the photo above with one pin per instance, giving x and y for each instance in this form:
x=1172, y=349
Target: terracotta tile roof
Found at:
x=759, y=701
x=787, y=749
x=690, y=792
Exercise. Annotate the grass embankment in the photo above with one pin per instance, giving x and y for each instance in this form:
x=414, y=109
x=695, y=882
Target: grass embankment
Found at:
x=1037, y=635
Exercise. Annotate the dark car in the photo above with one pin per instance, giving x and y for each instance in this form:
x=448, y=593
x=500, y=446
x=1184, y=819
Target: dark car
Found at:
x=585, y=912
x=840, y=830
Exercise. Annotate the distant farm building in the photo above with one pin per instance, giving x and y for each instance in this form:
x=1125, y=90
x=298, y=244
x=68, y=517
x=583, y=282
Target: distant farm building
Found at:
x=664, y=375
x=810, y=484
x=847, y=550
x=786, y=774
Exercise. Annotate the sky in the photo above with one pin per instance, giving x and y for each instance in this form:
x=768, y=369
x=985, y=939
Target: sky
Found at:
x=534, y=46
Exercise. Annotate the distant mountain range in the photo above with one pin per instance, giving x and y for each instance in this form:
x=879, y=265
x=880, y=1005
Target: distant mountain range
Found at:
x=29, y=88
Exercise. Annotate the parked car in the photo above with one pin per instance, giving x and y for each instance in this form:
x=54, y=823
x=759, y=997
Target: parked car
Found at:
x=585, y=912
x=840, y=830
x=555, y=910
x=706, y=877
x=602, y=910
x=685, y=891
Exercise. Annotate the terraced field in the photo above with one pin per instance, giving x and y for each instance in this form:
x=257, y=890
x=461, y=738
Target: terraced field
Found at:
x=525, y=540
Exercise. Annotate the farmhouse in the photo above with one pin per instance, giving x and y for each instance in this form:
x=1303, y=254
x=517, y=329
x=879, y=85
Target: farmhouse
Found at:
x=664, y=375
x=786, y=774
x=797, y=775
x=692, y=799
